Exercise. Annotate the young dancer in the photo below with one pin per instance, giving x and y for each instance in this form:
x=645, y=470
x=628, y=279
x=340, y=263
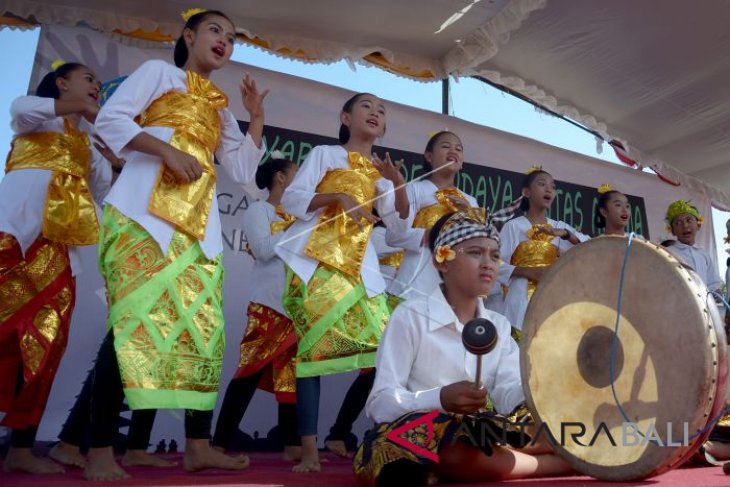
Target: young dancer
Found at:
x=160, y=248
x=268, y=349
x=531, y=243
x=429, y=199
x=427, y=330
x=54, y=174
x=612, y=212
x=335, y=291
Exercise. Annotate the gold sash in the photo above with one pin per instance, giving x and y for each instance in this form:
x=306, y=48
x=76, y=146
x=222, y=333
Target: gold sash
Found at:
x=69, y=216
x=286, y=222
x=393, y=260
x=536, y=251
x=337, y=240
x=194, y=116
x=429, y=215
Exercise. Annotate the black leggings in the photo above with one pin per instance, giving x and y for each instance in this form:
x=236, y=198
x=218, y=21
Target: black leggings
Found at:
x=107, y=395
x=352, y=405
x=236, y=401
x=76, y=428
x=26, y=437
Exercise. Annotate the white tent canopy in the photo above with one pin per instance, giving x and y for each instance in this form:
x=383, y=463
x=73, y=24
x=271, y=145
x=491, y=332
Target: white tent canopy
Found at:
x=651, y=74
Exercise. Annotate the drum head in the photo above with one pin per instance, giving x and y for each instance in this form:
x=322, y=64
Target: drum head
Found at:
x=668, y=371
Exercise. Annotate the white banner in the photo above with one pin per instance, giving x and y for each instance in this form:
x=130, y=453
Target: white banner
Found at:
x=301, y=113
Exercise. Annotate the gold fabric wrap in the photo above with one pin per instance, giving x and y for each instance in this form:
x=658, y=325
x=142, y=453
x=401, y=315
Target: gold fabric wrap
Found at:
x=69, y=215
x=536, y=251
x=393, y=260
x=286, y=222
x=194, y=116
x=429, y=215
x=338, y=240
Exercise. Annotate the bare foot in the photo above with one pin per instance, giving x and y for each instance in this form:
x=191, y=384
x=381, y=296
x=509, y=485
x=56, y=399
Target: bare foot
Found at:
x=310, y=456
x=101, y=465
x=719, y=451
x=337, y=447
x=199, y=456
x=67, y=454
x=23, y=460
x=140, y=458
x=292, y=453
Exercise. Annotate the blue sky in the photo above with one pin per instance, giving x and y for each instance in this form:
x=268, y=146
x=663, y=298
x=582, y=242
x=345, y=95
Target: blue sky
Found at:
x=470, y=100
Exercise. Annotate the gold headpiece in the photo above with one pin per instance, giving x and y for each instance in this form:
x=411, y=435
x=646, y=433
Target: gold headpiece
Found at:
x=186, y=14
x=605, y=188
x=57, y=64
x=434, y=132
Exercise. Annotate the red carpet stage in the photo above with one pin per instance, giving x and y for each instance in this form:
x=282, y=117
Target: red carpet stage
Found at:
x=268, y=470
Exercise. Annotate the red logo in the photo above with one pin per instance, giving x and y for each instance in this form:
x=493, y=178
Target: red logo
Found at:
x=427, y=419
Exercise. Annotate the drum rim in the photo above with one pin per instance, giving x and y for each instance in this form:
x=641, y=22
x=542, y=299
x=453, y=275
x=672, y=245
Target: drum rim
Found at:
x=680, y=454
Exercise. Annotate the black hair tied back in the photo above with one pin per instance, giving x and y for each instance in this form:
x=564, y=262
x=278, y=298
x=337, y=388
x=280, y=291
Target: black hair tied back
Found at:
x=265, y=173
x=48, y=88
x=180, y=54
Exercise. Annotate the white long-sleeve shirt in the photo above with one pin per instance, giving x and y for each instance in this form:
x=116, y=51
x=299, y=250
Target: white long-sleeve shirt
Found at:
x=23, y=192
x=237, y=153
x=268, y=268
x=377, y=237
x=512, y=234
x=299, y=195
x=417, y=275
x=421, y=351
x=699, y=259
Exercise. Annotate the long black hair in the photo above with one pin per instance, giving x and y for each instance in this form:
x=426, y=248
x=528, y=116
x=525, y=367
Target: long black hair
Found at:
x=48, y=88
x=266, y=172
x=181, y=49
x=344, y=134
x=431, y=143
x=526, y=183
x=598, y=219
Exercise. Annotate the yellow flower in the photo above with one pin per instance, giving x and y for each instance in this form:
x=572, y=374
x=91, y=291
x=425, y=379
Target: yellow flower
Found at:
x=186, y=14
x=444, y=252
x=533, y=168
x=57, y=64
x=605, y=188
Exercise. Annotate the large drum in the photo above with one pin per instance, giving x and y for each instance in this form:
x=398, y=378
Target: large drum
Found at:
x=639, y=405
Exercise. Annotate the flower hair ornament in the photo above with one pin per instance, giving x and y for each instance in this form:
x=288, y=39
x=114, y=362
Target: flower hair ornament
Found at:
x=605, y=188
x=533, y=168
x=444, y=253
x=187, y=14
x=55, y=65
x=432, y=133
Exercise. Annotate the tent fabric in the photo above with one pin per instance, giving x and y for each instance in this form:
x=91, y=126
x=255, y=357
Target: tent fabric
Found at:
x=650, y=74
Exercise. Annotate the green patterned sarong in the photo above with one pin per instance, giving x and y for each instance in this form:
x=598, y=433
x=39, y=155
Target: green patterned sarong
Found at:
x=338, y=327
x=166, y=313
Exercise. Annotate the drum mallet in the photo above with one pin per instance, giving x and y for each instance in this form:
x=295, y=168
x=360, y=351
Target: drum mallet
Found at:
x=479, y=337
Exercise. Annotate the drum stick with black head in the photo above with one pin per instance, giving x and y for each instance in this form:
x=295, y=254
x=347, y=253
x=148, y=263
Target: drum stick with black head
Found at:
x=479, y=337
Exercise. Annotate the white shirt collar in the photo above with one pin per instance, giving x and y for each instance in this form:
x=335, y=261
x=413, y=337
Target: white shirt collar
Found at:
x=684, y=245
x=441, y=314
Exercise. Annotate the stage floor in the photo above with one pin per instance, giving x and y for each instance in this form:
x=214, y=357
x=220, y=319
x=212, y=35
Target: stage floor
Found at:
x=268, y=470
